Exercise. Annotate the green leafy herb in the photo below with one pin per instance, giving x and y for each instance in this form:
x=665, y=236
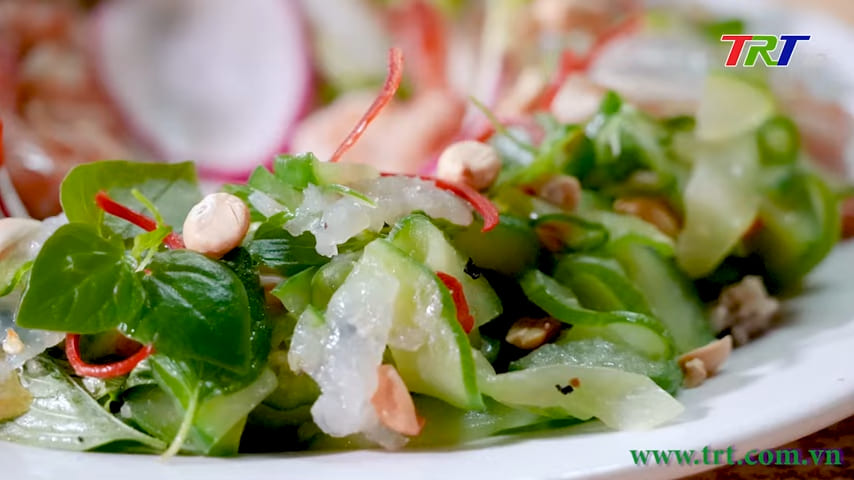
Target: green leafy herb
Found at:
x=195, y=308
x=64, y=416
x=171, y=188
x=274, y=247
x=80, y=283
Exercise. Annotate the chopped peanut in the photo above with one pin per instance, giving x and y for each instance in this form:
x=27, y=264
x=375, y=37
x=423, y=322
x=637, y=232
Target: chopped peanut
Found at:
x=216, y=225
x=393, y=403
x=707, y=359
x=653, y=210
x=529, y=333
x=12, y=345
x=474, y=163
x=695, y=373
x=562, y=191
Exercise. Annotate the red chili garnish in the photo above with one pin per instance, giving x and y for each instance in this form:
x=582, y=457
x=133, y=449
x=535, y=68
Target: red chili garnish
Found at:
x=419, y=28
x=481, y=204
x=112, y=207
x=459, y=297
x=3, y=210
x=107, y=370
x=487, y=210
x=392, y=82
x=570, y=62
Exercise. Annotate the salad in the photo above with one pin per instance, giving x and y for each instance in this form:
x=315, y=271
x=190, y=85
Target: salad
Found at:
x=549, y=273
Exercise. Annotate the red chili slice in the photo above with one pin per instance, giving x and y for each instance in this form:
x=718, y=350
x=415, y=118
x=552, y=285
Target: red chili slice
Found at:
x=392, y=82
x=107, y=370
x=112, y=207
x=459, y=297
x=481, y=204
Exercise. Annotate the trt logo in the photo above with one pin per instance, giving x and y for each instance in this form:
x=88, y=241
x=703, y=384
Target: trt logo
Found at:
x=761, y=46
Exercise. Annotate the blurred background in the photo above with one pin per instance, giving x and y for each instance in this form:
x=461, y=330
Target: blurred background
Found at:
x=230, y=84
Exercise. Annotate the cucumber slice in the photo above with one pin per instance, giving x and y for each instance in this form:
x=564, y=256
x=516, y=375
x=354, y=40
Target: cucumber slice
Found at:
x=573, y=232
x=446, y=425
x=417, y=236
x=329, y=277
x=595, y=352
x=430, y=349
x=668, y=293
x=509, y=248
x=295, y=292
x=600, y=284
x=620, y=226
x=642, y=332
x=621, y=400
x=732, y=106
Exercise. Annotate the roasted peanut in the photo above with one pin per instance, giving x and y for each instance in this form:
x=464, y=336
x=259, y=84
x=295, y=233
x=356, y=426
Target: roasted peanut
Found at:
x=393, y=403
x=653, y=210
x=529, y=333
x=216, y=225
x=474, y=163
x=562, y=191
x=703, y=362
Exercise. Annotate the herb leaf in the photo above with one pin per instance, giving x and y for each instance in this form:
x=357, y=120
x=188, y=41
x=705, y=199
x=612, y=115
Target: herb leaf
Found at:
x=274, y=247
x=195, y=308
x=172, y=188
x=80, y=283
x=64, y=416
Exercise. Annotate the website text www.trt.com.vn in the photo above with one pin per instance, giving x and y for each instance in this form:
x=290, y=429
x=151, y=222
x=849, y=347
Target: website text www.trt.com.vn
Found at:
x=831, y=457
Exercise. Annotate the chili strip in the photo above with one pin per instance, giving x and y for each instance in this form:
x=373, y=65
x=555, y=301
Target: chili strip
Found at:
x=114, y=208
x=107, y=370
x=459, y=297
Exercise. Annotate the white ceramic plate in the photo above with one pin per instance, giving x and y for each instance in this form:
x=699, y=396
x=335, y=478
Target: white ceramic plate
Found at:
x=793, y=381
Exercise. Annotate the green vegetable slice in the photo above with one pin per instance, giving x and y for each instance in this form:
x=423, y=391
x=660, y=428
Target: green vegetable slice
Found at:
x=639, y=331
x=620, y=399
x=420, y=239
x=66, y=417
x=668, y=293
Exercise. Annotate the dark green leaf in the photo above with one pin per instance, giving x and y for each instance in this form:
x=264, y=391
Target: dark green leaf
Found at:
x=80, y=283
x=172, y=188
x=195, y=308
x=64, y=416
x=274, y=247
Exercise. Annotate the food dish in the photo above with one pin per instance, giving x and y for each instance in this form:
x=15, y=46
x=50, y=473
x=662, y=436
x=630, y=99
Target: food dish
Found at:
x=535, y=284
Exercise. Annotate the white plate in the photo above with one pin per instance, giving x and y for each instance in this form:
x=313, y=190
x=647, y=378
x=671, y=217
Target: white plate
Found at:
x=793, y=381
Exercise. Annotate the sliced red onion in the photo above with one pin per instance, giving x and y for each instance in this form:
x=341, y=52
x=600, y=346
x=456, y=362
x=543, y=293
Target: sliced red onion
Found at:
x=215, y=81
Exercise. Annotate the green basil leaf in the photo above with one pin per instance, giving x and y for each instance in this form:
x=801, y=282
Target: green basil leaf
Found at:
x=64, y=416
x=195, y=308
x=172, y=188
x=241, y=263
x=80, y=283
x=274, y=247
